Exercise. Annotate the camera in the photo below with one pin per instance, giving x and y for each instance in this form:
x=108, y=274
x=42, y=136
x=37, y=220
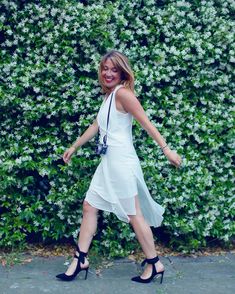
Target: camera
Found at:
x=101, y=149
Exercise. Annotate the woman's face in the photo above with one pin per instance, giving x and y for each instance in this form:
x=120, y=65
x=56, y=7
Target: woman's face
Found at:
x=111, y=76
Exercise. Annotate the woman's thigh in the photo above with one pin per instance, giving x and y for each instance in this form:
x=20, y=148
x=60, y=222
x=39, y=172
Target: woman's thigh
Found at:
x=87, y=208
x=138, y=210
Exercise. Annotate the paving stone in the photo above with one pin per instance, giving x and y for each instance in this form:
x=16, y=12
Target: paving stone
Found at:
x=183, y=275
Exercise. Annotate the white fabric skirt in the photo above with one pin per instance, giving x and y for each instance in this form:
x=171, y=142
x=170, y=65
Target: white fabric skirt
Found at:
x=117, y=180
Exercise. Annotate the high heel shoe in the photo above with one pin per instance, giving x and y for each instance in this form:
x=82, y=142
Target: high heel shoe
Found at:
x=154, y=272
x=81, y=259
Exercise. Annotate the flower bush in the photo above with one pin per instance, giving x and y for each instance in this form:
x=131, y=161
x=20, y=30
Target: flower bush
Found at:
x=183, y=55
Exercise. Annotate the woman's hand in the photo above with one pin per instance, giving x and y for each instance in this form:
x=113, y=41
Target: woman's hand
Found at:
x=68, y=153
x=173, y=157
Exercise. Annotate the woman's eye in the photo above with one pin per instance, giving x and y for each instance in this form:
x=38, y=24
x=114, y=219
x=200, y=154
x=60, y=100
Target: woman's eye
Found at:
x=113, y=69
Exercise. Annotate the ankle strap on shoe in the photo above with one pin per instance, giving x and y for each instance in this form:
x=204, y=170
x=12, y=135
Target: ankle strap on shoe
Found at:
x=81, y=256
x=150, y=261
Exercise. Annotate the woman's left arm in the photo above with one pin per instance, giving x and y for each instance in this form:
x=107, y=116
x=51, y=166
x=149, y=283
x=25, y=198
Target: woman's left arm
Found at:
x=131, y=104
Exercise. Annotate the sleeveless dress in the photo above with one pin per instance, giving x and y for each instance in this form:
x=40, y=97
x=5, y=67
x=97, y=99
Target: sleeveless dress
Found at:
x=119, y=177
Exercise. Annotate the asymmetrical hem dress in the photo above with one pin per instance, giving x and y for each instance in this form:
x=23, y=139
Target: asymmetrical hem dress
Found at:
x=119, y=177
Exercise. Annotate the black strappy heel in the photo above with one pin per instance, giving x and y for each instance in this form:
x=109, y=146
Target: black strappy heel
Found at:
x=81, y=259
x=154, y=272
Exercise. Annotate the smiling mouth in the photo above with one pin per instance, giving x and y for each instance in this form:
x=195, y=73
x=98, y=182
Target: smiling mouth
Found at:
x=108, y=80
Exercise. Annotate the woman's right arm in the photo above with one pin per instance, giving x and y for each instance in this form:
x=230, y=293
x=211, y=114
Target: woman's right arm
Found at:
x=86, y=136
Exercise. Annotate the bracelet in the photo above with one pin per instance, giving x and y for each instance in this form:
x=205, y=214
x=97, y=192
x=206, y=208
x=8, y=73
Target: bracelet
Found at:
x=164, y=147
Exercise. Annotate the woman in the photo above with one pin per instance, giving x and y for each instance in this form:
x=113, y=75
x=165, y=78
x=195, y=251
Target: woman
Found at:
x=118, y=185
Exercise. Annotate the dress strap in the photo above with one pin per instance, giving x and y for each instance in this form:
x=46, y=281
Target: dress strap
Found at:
x=117, y=88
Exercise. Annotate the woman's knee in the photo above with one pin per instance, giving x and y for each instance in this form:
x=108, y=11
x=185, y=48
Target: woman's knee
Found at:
x=88, y=209
x=136, y=219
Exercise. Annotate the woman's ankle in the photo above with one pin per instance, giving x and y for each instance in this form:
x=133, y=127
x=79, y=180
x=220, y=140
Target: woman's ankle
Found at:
x=159, y=266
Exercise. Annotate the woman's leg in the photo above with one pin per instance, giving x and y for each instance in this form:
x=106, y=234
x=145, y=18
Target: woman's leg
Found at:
x=145, y=238
x=87, y=231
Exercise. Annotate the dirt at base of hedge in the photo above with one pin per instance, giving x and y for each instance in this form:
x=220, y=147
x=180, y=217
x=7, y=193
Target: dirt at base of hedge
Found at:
x=10, y=258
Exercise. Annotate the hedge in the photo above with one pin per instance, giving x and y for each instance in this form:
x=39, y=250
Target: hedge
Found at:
x=183, y=55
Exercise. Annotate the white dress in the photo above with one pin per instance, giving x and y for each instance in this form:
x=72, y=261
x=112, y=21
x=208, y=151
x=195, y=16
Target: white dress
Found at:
x=119, y=177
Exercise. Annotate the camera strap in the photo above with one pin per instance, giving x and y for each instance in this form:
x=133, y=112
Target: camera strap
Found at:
x=107, y=124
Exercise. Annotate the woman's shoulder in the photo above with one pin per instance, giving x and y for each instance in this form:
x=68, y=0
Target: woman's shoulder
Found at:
x=124, y=93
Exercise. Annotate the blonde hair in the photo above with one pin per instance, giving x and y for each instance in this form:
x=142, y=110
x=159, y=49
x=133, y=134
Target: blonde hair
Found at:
x=120, y=61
